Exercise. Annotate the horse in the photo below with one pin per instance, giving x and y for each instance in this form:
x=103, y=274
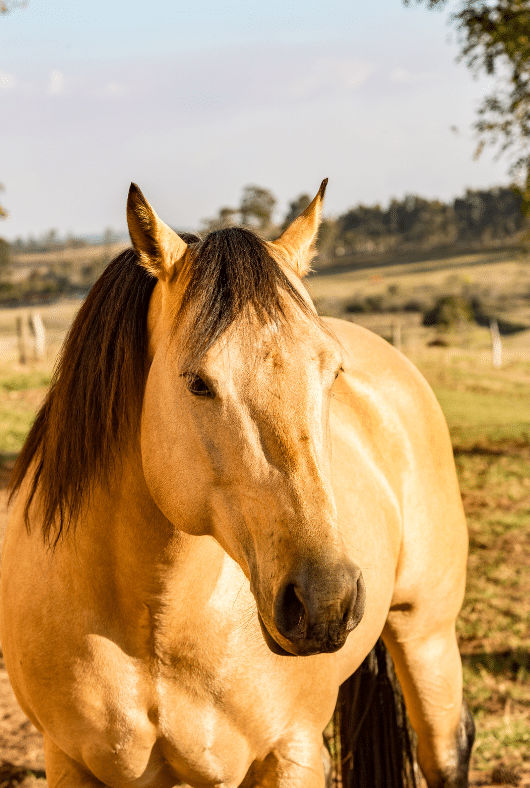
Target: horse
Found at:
x=223, y=503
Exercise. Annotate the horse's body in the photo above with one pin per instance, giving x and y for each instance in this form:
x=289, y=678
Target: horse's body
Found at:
x=138, y=646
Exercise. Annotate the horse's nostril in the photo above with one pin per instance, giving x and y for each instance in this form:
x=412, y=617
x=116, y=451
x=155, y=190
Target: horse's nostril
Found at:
x=354, y=609
x=316, y=614
x=360, y=603
x=291, y=615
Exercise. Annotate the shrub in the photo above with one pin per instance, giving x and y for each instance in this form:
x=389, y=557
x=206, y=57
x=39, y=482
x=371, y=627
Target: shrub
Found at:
x=450, y=311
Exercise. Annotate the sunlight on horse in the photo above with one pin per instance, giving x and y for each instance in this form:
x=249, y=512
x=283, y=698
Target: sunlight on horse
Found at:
x=223, y=503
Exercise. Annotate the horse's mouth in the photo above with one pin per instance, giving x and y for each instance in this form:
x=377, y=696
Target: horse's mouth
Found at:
x=306, y=649
x=271, y=643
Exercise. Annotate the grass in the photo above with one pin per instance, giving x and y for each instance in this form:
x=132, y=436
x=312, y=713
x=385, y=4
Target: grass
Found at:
x=23, y=386
x=23, y=380
x=501, y=274
x=488, y=412
x=15, y=422
x=21, y=392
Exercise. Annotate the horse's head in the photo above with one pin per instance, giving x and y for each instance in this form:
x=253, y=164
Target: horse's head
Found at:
x=235, y=436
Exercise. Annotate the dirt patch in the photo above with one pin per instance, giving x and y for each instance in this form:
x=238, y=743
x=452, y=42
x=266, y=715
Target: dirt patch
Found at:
x=505, y=448
x=476, y=501
x=13, y=776
x=20, y=741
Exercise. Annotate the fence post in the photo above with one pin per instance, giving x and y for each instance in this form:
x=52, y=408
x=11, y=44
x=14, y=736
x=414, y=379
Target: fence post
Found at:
x=22, y=336
x=496, y=344
x=39, y=333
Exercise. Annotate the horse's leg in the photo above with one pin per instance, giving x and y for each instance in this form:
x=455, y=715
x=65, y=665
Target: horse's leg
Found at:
x=429, y=670
x=327, y=763
x=63, y=772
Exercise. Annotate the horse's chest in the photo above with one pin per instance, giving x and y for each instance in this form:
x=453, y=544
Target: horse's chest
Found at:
x=201, y=735
x=186, y=720
x=191, y=736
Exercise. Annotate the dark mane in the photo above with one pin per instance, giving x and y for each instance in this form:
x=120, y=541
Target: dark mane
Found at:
x=94, y=399
x=233, y=275
x=94, y=402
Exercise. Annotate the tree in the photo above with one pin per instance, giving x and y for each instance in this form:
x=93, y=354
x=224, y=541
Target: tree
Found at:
x=50, y=241
x=225, y=218
x=109, y=237
x=4, y=246
x=8, y=5
x=3, y=213
x=257, y=206
x=255, y=211
x=5, y=258
x=495, y=39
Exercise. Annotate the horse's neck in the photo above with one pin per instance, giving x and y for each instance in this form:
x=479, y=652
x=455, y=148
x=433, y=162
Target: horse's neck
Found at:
x=136, y=553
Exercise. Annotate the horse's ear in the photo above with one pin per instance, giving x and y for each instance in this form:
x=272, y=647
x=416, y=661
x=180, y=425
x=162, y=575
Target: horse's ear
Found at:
x=298, y=240
x=159, y=248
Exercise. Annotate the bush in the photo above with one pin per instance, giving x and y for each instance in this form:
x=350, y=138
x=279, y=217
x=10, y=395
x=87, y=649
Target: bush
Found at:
x=5, y=258
x=450, y=311
x=37, y=289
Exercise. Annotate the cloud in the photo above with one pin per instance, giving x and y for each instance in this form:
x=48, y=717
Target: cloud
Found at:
x=112, y=90
x=7, y=81
x=327, y=73
x=403, y=75
x=56, y=84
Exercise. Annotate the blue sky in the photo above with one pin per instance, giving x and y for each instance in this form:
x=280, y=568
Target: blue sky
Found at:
x=194, y=101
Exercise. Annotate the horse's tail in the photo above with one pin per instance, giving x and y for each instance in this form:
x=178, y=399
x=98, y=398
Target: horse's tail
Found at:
x=371, y=743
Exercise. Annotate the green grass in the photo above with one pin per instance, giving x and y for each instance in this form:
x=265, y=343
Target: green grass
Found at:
x=21, y=392
x=488, y=411
x=21, y=381
x=474, y=416
x=481, y=404
x=15, y=422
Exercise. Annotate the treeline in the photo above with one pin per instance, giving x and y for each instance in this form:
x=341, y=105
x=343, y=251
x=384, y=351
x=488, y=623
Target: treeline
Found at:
x=52, y=242
x=487, y=217
x=38, y=288
x=480, y=218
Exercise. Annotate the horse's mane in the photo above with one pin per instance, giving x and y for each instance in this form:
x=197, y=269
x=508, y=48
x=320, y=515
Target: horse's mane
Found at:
x=95, y=398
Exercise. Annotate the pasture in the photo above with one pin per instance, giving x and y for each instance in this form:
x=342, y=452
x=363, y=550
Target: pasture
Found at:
x=488, y=412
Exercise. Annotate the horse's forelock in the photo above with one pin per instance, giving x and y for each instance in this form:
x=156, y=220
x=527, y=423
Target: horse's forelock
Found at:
x=232, y=275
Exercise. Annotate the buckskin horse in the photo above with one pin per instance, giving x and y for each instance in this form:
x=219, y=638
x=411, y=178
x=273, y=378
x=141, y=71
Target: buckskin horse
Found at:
x=222, y=504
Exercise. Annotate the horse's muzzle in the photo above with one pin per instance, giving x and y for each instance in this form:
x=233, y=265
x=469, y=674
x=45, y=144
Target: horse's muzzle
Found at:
x=314, y=613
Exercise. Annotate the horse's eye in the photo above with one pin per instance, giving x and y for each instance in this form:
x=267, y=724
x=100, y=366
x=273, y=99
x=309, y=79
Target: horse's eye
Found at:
x=340, y=369
x=196, y=385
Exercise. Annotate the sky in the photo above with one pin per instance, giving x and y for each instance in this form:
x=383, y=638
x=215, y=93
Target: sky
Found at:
x=193, y=101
